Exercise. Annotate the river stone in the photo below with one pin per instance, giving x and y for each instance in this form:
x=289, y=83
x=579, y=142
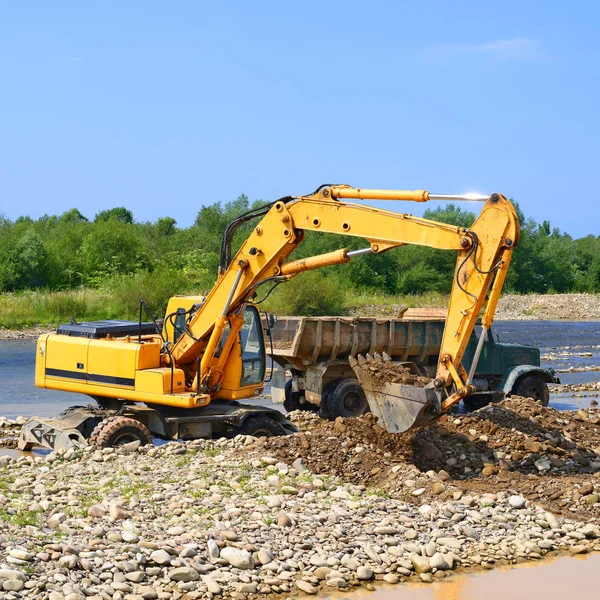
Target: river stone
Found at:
x=306, y=587
x=184, y=574
x=12, y=574
x=517, y=501
x=161, y=557
x=283, y=520
x=437, y=562
x=338, y=582
x=55, y=520
x=240, y=559
x=450, y=542
x=213, y=549
x=386, y=530
x=391, y=578
x=350, y=563
x=13, y=585
x=340, y=493
x=364, y=573
x=274, y=502
x=420, y=563
x=212, y=586
x=265, y=556
x=322, y=572
x=20, y=554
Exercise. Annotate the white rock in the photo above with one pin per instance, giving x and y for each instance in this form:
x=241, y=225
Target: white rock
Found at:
x=161, y=557
x=517, y=501
x=340, y=493
x=240, y=559
x=437, y=562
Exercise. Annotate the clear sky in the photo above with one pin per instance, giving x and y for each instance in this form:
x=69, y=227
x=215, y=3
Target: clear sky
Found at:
x=165, y=106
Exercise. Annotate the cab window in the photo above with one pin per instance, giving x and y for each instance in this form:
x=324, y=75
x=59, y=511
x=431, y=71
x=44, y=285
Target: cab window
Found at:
x=253, y=348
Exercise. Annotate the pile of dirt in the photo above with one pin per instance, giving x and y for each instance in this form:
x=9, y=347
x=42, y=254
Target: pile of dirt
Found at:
x=377, y=371
x=516, y=444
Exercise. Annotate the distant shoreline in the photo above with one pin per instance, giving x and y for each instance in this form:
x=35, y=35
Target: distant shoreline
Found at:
x=531, y=307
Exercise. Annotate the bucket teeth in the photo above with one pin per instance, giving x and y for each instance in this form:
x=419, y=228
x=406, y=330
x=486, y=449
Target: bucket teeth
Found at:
x=353, y=362
x=386, y=357
x=369, y=357
x=377, y=356
x=361, y=360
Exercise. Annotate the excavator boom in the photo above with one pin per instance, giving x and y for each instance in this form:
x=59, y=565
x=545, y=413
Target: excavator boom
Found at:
x=484, y=251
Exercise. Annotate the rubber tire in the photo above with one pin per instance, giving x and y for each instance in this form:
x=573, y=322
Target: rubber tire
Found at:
x=293, y=400
x=338, y=396
x=532, y=386
x=262, y=426
x=116, y=431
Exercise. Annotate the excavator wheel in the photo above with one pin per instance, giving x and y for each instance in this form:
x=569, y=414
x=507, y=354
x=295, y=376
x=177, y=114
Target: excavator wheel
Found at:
x=261, y=426
x=117, y=431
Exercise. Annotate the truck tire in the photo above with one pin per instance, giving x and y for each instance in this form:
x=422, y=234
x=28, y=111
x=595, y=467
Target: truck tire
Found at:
x=532, y=386
x=293, y=400
x=262, y=426
x=346, y=399
x=117, y=431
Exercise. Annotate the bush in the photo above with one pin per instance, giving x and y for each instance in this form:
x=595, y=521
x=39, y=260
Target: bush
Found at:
x=309, y=294
x=123, y=292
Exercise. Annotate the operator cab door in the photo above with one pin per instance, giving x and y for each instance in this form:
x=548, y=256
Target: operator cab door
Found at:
x=253, y=348
x=246, y=365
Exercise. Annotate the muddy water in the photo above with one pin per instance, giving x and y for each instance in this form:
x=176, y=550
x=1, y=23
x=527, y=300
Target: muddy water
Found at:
x=553, y=579
x=19, y=396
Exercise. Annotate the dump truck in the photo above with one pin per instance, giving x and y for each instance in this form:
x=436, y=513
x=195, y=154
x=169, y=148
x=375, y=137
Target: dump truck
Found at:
x=315, y=352
x=187, y=379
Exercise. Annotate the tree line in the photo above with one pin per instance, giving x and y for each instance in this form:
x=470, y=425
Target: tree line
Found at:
x=67, y=251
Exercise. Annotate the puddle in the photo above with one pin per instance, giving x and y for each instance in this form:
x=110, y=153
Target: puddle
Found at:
x=553, y=579
x=17, y=453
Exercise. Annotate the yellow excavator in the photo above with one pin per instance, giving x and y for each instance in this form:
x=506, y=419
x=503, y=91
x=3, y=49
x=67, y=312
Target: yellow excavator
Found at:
x=185, y=379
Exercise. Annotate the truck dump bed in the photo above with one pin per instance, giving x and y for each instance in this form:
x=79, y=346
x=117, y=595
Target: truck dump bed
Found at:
x=302, y=341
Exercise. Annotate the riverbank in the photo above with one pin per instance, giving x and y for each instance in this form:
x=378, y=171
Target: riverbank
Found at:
x=511, y=307
x=335, y=506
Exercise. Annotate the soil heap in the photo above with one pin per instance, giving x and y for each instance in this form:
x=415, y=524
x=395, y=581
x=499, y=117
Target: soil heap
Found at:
x=552, y=457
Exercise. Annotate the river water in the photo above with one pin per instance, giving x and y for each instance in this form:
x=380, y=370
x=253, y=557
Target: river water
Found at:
x=553, y=579
x=21, y=397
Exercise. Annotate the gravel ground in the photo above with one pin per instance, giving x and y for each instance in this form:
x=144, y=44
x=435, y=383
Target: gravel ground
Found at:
x=334, y=506
x=529, y=307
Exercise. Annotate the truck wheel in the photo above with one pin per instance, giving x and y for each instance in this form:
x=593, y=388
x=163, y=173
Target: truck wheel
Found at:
x=532, y=386
x=346, y=399
x=262, y=427
x=117, y=431
x=293, y=400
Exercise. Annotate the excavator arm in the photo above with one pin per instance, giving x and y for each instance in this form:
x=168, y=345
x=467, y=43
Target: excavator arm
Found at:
x=484, y=251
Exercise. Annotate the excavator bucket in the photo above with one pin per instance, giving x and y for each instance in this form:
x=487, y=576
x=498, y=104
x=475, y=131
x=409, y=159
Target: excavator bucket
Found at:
x=399, y=399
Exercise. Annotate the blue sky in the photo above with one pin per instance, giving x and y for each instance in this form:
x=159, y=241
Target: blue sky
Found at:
x=163, y=107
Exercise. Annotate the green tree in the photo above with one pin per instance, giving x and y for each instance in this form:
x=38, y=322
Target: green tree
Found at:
x=119, y=213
